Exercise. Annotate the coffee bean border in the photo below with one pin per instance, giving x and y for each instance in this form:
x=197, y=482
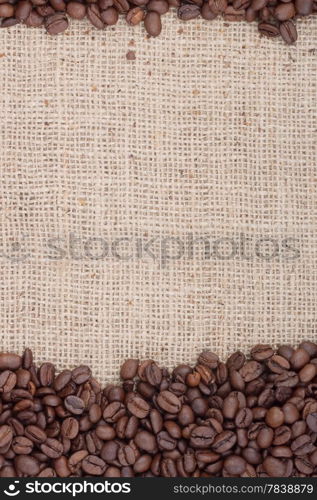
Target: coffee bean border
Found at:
x=246, y=417
x=274, y=17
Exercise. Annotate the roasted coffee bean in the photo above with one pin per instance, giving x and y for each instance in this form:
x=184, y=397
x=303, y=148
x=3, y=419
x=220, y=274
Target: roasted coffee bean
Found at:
x=23, y=10
x=6, y=436
x=188, y=11
x=110, y=17
x=52, y=448
x=218, y=6
x=35, y=434
x=304, y=8
x=94, y=466
x=235, y=465
x=70, y=428
x=169, y=402
x=10, y=361
x=202, y=437
x=134, y=17
x=56, y=23
x=94, y=16
x=8, y=379
x=152, y=23
x=27, y=465
x=159, y=6
x=81, y=374
x=76, y=10
x=268, y=29
x=74, y=405
x=138, y=407
x=22, y=445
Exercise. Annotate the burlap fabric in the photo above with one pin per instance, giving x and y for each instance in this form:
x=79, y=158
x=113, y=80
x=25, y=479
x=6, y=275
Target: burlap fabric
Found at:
x=210, y=131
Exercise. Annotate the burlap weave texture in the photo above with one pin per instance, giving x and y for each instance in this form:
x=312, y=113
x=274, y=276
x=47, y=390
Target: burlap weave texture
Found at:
x=209, y=131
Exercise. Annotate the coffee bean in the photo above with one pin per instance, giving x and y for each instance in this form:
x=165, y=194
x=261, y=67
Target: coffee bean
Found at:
x=76, y=10
x=110, y=17
x=159, y=6
x=188, y=11
x=218, y=6
x=52, y=448
x=268, y=29
x=27, y=465
x=70, y=428
x=22, y=445
x=224, y=441
x=169, y=402
x=81, y=374
x=10, y=361
x=74, y=405
x=56, y=23
x=202, y=437
x=135, y=16
x=235, y=465
x=289, y=34
x=94, y=16
x=304, y=8
x=274, y=467
x=152, y=23
x=138, y=407
x=6, y=436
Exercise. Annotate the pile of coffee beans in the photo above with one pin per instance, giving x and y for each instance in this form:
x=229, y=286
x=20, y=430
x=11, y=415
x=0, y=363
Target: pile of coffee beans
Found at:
x=254, y=417
x=274, y=17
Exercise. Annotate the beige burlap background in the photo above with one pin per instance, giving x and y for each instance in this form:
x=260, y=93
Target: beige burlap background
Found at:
x=209, y=131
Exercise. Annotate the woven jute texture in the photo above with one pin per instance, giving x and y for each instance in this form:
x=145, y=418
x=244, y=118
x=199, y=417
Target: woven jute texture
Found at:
x=209, y=133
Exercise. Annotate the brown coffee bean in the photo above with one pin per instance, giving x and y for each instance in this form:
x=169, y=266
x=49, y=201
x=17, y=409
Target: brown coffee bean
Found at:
x=152, y=23
x=235, y=465
x=145, y=441
x=52, y=448
x=6, y=10
x=268, y=29
x=304, y=8
x=251, y=370
x=23, y=10
x=284, y=11
x=81, y=374
x=8, y=379
x=56, y=23
x=188, y=11
x=274, y=467
x=22, y=445
x=74, y=405
x=76, y=10
x=94, y=466
x=224, y=441
x=218, y=6
x=138, y=407
x=159, y=6
x=169, y=402
x=27, y=465
x=233, y=15
x=302, y=445
x=134, y=17
x=202, y=437
x=70, y=428
x=10, y=361
x=110, y=17
x=94, y=16
x=6, y=436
